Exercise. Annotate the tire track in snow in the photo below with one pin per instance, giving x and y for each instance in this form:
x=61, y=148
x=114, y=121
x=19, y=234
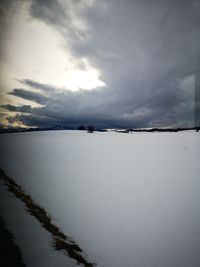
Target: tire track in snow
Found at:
x=60, y=240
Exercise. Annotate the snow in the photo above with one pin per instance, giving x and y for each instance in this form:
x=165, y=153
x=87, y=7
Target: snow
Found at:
x=34, y=242
x=126, y=199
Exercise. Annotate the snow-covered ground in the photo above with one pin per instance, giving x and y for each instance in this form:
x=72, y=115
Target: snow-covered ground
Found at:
x=128, y=200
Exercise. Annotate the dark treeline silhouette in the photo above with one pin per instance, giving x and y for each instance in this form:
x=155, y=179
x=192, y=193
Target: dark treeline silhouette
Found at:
x=164, y=129
x=81, y=128
x=89, y=128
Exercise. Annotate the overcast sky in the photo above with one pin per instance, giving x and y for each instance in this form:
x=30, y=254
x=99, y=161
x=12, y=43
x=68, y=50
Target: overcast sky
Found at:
x=110, y=63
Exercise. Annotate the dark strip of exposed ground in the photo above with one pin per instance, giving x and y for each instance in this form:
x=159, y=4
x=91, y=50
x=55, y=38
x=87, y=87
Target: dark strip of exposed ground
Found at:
x=60, y=240
x=10, y=254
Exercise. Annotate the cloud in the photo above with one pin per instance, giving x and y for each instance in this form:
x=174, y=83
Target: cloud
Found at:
x=29, y=95
x=101, y=108
x=13, y=108
x=144, y=50
x=36, y=85
x=31, y=120
x=51, y=11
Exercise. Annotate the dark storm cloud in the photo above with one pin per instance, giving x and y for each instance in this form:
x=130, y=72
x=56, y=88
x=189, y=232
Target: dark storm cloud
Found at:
x=37, y=85
x=144, y=51
x=13, y=108
x=31, y=120
x=29, y=95
x=164, y=98
x=96, y=107
x=49, y=10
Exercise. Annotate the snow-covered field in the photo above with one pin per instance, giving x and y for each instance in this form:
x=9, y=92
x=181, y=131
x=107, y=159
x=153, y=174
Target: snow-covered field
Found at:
x=128, y=200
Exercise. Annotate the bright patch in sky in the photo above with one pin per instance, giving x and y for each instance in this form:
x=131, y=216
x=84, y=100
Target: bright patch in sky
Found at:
x=83, y=79
x=39, y=54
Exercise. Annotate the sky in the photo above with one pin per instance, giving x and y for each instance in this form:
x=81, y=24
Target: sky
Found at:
x=108, y=63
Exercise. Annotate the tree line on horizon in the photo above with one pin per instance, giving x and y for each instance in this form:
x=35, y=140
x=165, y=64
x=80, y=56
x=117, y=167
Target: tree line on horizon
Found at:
x=89, y=128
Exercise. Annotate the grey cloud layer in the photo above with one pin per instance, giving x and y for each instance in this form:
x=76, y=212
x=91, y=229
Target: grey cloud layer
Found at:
x=144, y=49
x=97, y=107
x=29, y=95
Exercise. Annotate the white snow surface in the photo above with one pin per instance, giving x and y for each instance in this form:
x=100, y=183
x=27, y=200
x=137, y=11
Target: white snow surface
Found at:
x=128, y=200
